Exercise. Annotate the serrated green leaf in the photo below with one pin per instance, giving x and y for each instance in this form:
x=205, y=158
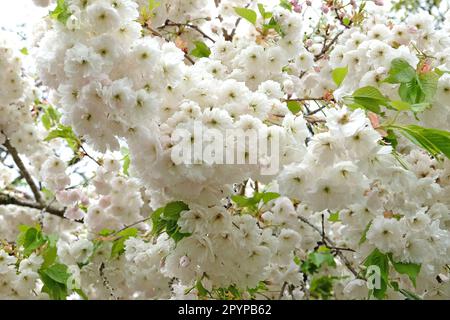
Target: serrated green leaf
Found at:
x=401, y=71
x=247, y=14
x=428, y=84
x=67, y=134
x=368, y=97
x=381, y=260
x=434, y=141
x=412, y=270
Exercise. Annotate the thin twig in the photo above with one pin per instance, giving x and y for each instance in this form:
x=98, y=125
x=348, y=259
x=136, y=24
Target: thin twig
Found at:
x=330, y=242
x=282, y=290
x=170, y=23
x=327, y=47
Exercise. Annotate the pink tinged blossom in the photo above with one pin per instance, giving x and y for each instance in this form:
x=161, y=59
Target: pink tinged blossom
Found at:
x=74, y=213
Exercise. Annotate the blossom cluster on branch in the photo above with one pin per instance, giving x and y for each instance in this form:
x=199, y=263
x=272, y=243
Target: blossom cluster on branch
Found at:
x=227, y=149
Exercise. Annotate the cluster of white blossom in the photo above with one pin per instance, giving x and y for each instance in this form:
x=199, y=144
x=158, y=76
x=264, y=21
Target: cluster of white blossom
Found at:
x=126, y=73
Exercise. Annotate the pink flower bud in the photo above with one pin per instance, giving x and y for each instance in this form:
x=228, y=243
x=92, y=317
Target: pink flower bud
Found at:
x=325, y=9
x=308, y=3
x=308, y=43
x=379, y=2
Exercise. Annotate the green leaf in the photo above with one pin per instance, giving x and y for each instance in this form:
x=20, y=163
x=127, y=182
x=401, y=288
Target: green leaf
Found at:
x=381, y=260
x=364, y=234
x=428, y=84
x=273, y=24
x=409, y=295
x=153, y=5
x=172, y=210
x=54, y=289
x=369, y=98
x=400, y=72
x=294, y=106
x=118, y=247
x=420, y=107
x=50, y=253
x=173, y=230
x=61, y=12
x=269, y=196
x=158, y=224
x=67, y=134
x=286, y=4
x=334, y=217
x=201, y=50
x=410, y=269
x=400, y=105
x=46, y=122
x=81, y=294
x=322, y=287
x=126, y=160
x=434, y=141
x=24, y=51
x=263, y=12
x=57, y=272
x=202, y=292
x=30, y=239
x=321, y=257
x=247, y=14
x=339, y=75
x=166, y=219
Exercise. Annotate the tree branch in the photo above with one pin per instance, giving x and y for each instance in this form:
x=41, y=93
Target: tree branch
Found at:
x=327, y=47
x=9, y=200
x=23, y=171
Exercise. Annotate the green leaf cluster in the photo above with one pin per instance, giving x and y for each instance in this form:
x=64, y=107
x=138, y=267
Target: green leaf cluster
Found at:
x=383, y=262
x=54, y=275
x=50, y=118
x=166, y=219
x=316, y=260
x=61, y=12
x=251, y=205
x=66, y=133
